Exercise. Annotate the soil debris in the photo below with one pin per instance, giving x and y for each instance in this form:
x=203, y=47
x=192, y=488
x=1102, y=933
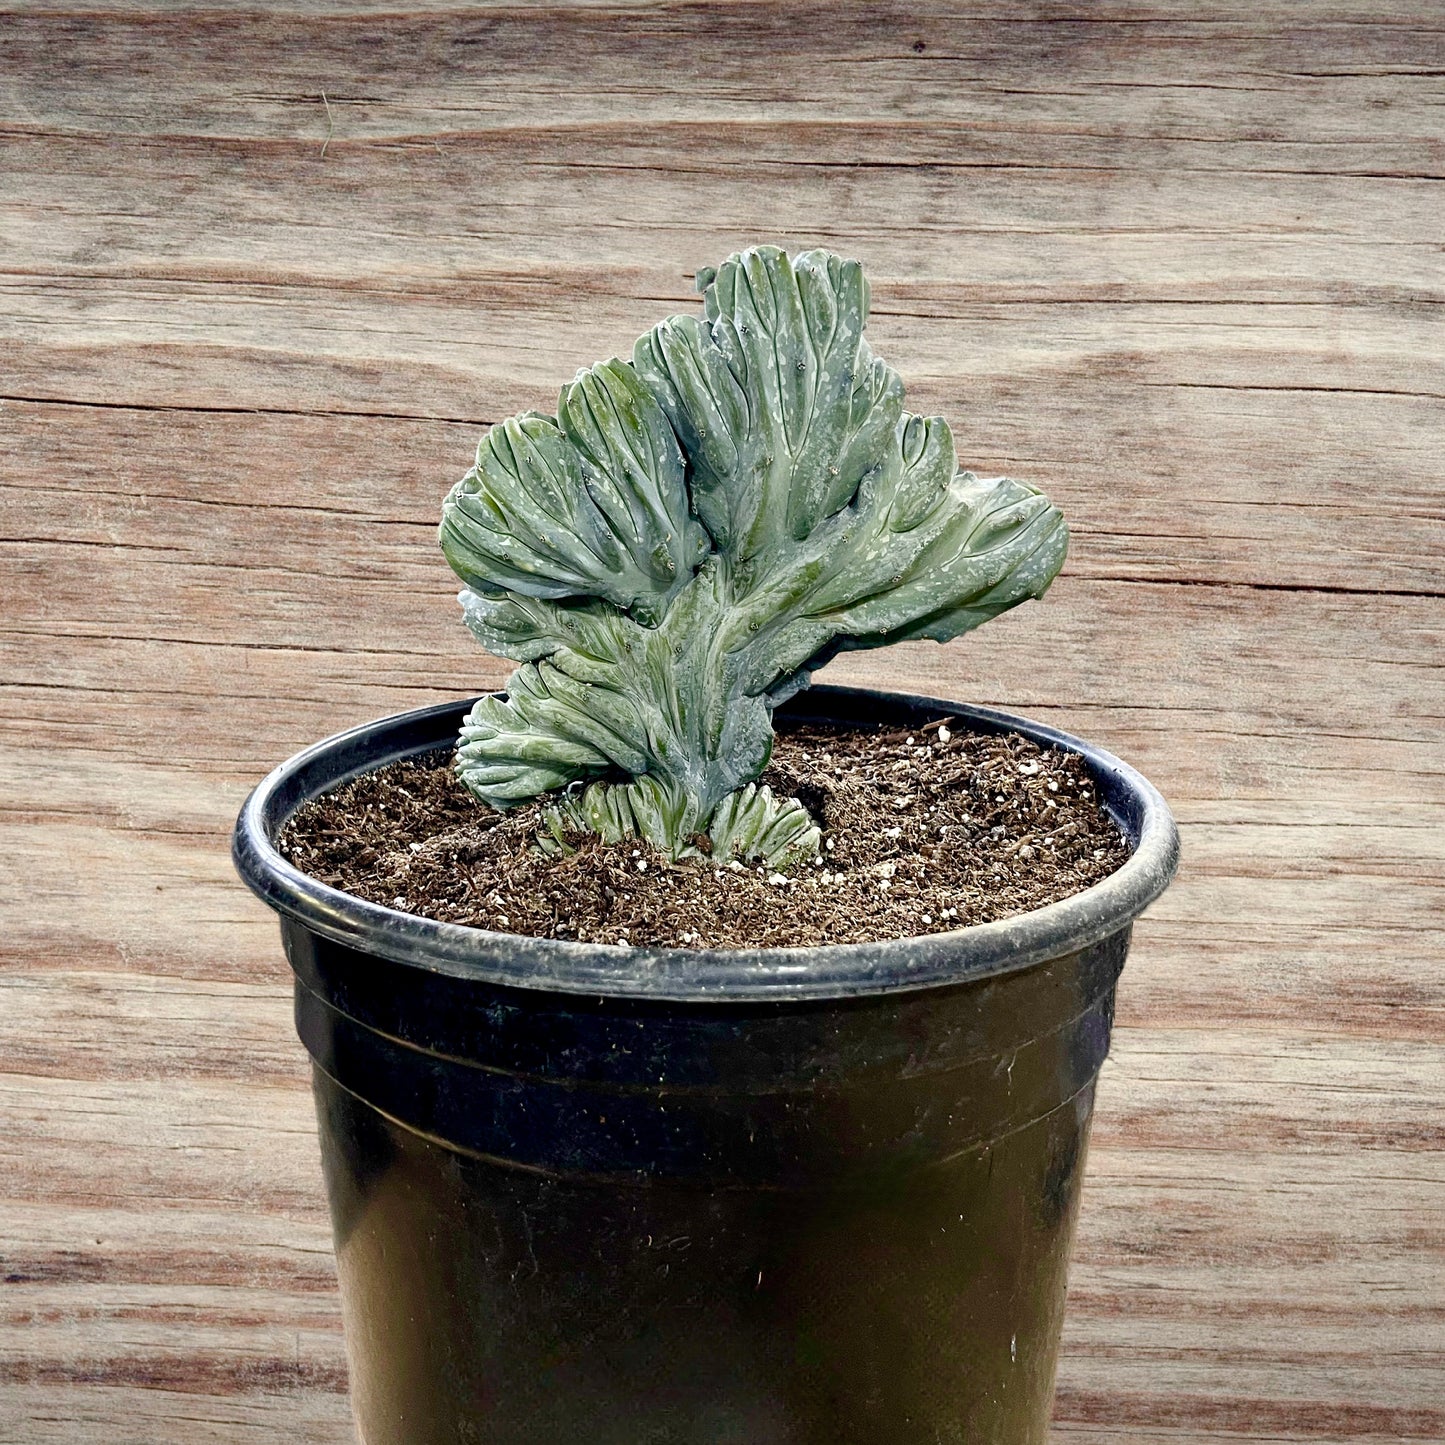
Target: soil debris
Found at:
x=925, y=830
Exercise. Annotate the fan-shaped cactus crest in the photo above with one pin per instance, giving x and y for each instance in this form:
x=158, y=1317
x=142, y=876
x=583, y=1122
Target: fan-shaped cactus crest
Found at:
x=695, y=532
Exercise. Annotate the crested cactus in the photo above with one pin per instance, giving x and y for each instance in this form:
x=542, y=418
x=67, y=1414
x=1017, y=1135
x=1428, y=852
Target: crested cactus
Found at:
x=692, y=535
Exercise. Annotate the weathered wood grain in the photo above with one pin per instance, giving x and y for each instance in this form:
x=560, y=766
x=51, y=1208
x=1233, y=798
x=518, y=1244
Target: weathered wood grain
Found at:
x=265, y=275
x=112, y=473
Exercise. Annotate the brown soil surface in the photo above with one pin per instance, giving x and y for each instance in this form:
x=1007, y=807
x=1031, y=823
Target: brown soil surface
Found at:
x=924, y=831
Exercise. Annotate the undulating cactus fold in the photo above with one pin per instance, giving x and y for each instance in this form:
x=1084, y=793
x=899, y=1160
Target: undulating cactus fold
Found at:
x=694, y=533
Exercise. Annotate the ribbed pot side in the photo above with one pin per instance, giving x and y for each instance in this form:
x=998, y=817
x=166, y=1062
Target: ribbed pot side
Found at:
x=779, y=1197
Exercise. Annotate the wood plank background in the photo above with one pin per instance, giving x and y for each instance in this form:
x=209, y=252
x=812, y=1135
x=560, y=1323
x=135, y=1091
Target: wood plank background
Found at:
x=264, y=274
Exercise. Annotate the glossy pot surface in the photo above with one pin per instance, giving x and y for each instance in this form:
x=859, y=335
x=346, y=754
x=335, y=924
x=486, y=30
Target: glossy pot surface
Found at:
x=773, y=1197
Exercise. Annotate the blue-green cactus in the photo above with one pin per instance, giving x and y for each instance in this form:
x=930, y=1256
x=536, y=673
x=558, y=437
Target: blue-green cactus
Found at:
x=693, y=534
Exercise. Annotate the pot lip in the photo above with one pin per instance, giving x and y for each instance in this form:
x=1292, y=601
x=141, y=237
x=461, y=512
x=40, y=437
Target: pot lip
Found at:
x=774, y=974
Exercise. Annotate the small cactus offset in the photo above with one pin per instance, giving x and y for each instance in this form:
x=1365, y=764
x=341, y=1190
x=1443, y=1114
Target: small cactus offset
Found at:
x=692, y=535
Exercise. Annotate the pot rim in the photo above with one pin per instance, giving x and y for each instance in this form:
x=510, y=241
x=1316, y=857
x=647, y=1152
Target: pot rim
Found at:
x=777, y=974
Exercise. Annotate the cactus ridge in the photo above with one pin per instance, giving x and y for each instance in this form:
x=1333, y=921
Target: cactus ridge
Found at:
x=692, y=535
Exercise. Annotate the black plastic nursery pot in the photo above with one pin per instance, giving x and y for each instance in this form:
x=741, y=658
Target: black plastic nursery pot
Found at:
x=638, y=1196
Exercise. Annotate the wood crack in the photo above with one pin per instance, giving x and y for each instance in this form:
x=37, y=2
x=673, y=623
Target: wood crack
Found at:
x=242, y=410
